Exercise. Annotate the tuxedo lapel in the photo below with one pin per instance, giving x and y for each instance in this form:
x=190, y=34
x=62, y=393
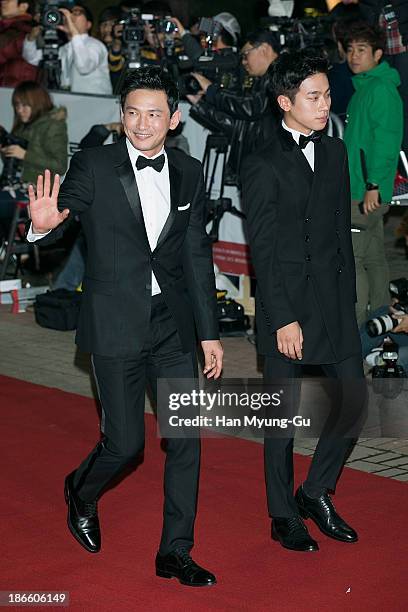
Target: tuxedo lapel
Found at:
x=175, y=175
x=127, y=178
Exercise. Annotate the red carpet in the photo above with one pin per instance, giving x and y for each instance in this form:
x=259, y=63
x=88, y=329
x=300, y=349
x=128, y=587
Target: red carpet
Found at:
x=46, y=432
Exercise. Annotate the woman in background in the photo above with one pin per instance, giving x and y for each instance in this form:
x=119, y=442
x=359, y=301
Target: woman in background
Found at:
x=38, y=140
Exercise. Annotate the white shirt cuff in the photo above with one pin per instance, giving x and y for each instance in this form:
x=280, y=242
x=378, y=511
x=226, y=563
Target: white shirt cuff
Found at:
x=31, y=237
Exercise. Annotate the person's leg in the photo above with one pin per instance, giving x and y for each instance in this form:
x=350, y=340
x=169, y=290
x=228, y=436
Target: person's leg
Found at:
x=72, y=273
x=359, y=248
x=278, y=451
x=377, y=266
x=121, y=389
x=341, y=427
x=181, y=473
x=369, y=342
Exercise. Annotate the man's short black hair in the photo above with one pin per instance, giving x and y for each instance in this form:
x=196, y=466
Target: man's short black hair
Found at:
x=264, y=36
x=288, y=72
x=361, y=31
x=150, y=77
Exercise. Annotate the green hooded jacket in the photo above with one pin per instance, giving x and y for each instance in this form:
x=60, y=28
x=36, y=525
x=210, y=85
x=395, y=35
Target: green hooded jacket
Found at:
x=47, y=144
x=375, y=125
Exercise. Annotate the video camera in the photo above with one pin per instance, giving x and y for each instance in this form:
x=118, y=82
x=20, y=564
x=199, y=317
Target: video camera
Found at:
x=300, y=33
x=398, y=289
x=50, y=18
x=11, y=165
x=218, y=66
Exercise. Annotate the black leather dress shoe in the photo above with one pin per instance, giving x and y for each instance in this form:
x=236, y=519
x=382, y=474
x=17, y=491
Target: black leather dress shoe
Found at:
x=179, y=564
x=293, y=534
x=82, y=519
x=322, y=511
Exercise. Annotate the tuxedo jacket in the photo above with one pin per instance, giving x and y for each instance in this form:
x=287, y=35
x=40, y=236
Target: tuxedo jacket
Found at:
x=299, y=232
x=100, y=186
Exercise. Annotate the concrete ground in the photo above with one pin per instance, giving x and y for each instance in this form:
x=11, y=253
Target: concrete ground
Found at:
x=50, y=358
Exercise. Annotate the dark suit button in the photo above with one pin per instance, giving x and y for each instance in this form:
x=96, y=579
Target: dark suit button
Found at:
x=339, y=270
x=152, y=258
x=338, y=251
x=148, y=286
x=307, y=276
x=337, y=233
x=337, y=211
x=307, y=238
x=308, y=258
x=307, y=220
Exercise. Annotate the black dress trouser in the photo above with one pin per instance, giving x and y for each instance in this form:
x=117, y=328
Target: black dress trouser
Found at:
x=121, y=387
x=330, y=451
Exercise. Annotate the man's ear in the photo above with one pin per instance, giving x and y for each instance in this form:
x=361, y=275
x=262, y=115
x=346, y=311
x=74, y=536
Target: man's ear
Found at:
x=378, y=55
x=175, y=120
x=89, y=26
x=285, y=103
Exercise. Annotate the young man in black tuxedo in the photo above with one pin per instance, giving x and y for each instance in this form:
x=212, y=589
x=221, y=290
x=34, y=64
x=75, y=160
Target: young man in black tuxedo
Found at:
x=297, y=202
x=148, y=287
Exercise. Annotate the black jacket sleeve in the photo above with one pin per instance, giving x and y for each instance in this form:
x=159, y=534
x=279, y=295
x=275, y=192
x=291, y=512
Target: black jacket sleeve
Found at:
x=198, y=268
x=260, y=203
x=249, y=107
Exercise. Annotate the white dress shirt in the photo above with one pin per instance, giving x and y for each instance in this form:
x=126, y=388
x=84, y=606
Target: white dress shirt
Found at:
x=84, y=64
x=154, y=192
x=308, y=150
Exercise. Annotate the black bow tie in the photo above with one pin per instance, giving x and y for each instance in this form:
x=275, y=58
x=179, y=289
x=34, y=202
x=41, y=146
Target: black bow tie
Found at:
x=314, y=137
x=157, y=163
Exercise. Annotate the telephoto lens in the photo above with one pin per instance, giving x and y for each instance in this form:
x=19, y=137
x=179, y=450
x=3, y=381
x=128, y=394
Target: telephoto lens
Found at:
x=381, y=325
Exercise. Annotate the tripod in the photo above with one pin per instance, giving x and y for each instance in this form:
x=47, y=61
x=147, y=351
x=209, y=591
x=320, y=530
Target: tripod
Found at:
x=216, y=146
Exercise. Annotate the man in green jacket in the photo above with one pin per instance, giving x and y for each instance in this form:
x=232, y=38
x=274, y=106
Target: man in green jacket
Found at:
x=373, y=139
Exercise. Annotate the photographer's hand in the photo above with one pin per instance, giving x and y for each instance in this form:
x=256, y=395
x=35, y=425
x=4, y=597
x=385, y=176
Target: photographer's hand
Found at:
x=44, y=212
x=202, y=80
x=181, y=29
x=290, y=340
x=69, y=27
x=403, y=321
x=35, y=33
x=371, y=201
x=14, y=151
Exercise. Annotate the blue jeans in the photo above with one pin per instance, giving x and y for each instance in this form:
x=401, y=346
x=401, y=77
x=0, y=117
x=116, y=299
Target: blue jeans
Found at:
x=7, y=208
x=368, y=343
x=73, y=272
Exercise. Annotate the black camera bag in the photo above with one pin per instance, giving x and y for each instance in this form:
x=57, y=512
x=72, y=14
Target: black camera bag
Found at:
x=58, y=309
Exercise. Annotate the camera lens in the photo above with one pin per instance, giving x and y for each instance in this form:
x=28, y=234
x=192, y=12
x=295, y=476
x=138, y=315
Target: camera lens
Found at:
x=52, y=18
x=380, y=325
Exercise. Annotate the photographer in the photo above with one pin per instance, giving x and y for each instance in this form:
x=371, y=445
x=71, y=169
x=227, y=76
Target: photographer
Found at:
x=226, y=38
x=43, y=129
x=249, y=117
x=399, y=335
x=84, y=59
x=15, y=23
x=259, y=51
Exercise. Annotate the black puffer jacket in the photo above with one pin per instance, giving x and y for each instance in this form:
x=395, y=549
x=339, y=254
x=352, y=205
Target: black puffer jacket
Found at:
x=249, y=119
x=371, y=10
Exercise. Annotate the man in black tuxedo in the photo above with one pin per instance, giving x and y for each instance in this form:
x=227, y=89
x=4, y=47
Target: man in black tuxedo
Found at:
x=297, y=201
x=149, y=285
